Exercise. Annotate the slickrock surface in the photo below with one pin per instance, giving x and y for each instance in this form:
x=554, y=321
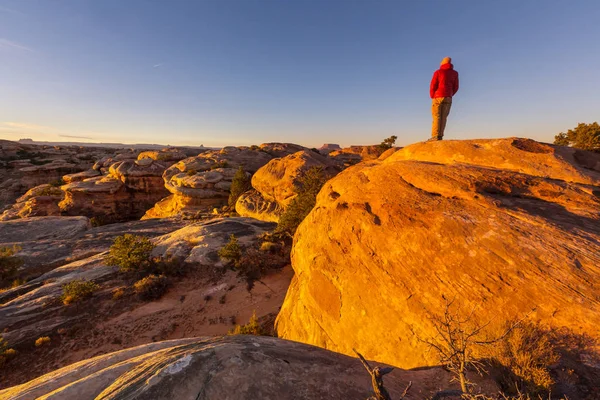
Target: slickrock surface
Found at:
x=207, y=299
x=202, y=183
x=230, y=367
x=28, y=310
x=276, y=184
x=504, y=225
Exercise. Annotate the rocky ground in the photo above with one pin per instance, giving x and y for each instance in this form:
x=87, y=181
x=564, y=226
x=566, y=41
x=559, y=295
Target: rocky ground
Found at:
x=506, y=228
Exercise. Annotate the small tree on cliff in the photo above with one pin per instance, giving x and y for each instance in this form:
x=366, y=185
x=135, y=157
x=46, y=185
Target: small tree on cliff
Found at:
x=309, y=185
x=239, y=185
x=387, y=144
x=584, y=136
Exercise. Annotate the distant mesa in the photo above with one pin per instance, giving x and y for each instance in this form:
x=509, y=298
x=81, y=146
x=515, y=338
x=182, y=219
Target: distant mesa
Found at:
x=328, y=148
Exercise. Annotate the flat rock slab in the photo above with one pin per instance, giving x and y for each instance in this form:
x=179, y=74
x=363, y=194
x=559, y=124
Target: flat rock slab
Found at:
x=230, y=367
x=42, y=228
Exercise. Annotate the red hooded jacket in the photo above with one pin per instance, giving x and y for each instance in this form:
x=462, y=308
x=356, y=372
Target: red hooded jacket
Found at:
x=444, y=82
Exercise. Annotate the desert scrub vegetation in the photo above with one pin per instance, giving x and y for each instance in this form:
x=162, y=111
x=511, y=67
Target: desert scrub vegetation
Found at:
x=133, y=253
x=583, y=136
x=254, y=261
x=42, y=341
x=523, y=357
x=309, y=185
x=239, y=185
x=253, y=327
x=78, y=290
x=151, y=287
x=9, y=264
x=232, y=251
x=386, y=144
x=6, y=352
x=130, y=253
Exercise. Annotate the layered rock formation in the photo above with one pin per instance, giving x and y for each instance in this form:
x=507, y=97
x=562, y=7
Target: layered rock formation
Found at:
x=202, y=183
x=276, y=184
x=355, y=154
x=231, y=367
x=128, y=190
x=24, y=166
x=37, y=202
x=504, y=226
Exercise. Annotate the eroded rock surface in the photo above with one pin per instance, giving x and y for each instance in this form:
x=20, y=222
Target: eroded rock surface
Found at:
x=276, y=184
x=230, y=367
x=506, y=225
x=30, y=309
x=202, y=183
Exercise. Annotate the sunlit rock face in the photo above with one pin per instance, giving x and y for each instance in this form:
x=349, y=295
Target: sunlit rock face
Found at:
x=229, y=367
x=201, y=183
x=126, y=192
x=506, y=225
x=37, y=202
x=355, y=154
x=276, y=184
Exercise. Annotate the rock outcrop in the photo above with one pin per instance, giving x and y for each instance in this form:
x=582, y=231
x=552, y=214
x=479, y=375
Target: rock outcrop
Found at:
x=202, y=183
x=25, y=166
x=37, y=202
x=276, y=184
x=77, y=252
x=355, y=154
x=129, y=189
x=230, y=367
x=506, y=226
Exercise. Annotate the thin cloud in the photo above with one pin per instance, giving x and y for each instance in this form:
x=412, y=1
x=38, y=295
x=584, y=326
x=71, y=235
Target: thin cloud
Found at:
x=157, y=65
x=10, y=11
x=20, y=125
x=10, y=45
x=76, y=137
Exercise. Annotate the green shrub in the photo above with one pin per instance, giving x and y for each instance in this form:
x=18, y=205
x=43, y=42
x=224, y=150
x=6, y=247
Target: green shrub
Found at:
x=78, y=290
x=42, y=341
x=584, y=136
x=309, y=185
x=232, y=251
x=130, y=253
x=251, y=328
x=151, y=287
x=239, y=185
x=5, y=351
x=9, y=263
x=387, y=144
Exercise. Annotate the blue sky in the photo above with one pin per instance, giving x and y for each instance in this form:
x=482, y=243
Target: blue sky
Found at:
x=239, y=72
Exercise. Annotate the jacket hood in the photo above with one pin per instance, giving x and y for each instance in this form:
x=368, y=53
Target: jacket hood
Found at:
x=447, y=66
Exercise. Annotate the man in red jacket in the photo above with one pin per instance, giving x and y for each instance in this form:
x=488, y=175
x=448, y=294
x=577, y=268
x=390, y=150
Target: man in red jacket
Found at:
x=444, y=85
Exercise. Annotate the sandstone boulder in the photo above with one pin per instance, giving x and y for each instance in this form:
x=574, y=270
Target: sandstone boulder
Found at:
x=230, y=367
x=202, y=183
x=505, y=226
x=355, y=154
x=129, y=189
x=276, y=184
x=37, y=202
